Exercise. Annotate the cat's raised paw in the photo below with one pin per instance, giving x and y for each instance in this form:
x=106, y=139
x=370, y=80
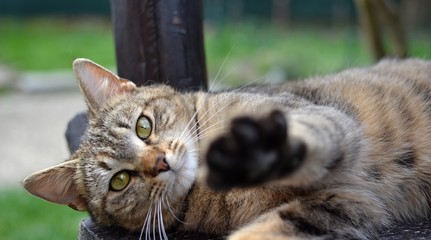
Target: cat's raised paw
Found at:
x=252, y=152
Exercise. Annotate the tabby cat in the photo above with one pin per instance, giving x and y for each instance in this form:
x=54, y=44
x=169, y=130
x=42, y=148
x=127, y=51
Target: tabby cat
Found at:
x=332, y=157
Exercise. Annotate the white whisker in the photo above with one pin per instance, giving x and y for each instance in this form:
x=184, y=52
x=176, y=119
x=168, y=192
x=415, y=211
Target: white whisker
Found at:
x=146, y=223
x=171, y=209
x=190, y=139
x=207, y=130
x=175, y=202
x=202, y=136
x=221, y=67
x=154, y=223
x=219, y=110
x=159, y=212
x=227, y=74
x=198, y=108
x=210, y=117
x=208, y=133
x=161, y=221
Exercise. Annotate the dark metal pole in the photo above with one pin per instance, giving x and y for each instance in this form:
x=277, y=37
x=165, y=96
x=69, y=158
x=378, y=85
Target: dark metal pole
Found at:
x=160, y=41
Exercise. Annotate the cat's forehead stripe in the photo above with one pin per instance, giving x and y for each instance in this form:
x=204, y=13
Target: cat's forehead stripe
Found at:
x=103, y=165
x=108, y=163
x=164, y=117
x=147, y=101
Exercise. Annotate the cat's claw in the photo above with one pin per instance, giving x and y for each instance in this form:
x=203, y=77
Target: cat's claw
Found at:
x=252, y=152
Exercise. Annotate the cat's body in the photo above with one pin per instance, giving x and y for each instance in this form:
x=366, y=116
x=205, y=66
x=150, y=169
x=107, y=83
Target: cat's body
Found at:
x=334, y=157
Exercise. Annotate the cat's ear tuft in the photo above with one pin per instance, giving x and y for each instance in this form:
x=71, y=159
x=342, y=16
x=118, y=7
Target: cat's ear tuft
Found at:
x=57, y=185
x=99, y=84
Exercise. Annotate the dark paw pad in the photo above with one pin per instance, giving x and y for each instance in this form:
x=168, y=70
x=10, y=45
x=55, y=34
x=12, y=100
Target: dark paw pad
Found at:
x=252, y=152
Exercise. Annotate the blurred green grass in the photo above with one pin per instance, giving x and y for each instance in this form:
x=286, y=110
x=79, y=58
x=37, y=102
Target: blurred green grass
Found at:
x=299, y=51
x=254, y=49
x=47, y=44
x=26, y=217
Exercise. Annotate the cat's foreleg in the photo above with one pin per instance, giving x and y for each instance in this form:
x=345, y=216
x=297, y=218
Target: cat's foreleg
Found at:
x=299, y=152
x=334, y=143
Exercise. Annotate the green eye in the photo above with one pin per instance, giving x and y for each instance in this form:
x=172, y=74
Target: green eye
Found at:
x=143, y=127
x=120, y=180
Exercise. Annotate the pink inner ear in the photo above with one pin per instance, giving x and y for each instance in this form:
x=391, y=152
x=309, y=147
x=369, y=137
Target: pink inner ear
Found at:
x=98, y=83
x=56, y=185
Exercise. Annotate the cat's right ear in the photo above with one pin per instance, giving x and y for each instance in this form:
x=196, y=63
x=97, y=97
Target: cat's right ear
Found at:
x=99, y=84
x=57, y=184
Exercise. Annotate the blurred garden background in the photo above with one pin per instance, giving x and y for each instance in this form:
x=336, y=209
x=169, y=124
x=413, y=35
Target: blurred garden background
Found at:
x=272, y=40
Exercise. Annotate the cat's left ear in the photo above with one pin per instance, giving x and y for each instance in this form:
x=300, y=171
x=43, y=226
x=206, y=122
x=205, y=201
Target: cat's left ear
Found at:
x=99, y=84
x=57, y=185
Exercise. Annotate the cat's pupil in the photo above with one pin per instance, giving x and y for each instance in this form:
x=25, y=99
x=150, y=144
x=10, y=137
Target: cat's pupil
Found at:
x=143, y=127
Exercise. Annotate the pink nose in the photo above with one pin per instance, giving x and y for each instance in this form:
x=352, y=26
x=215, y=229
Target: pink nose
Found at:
x=161, y=165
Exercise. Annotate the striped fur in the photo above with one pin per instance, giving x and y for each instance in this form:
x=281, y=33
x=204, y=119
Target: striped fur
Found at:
x=347, y=155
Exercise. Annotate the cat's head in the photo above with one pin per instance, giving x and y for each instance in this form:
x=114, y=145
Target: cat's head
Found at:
x=139, y=153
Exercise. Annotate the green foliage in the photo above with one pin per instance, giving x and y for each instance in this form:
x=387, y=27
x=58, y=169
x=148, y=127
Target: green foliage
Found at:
x=26, y=217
